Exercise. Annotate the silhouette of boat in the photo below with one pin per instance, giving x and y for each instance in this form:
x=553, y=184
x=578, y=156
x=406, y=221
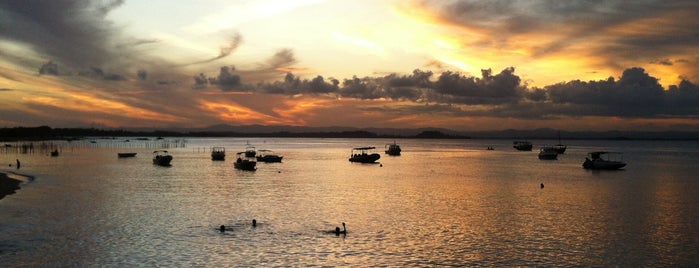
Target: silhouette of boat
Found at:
x=122, y=155
x=268, y=156
x=162, y=158
x=548, y=153
x=250, y=151
x=560, y=148
x=604, y=160
x=364, y=155
x=245, y=163
x=218, y=153
x=54, y=152
x=522, y=145
x=392, y=149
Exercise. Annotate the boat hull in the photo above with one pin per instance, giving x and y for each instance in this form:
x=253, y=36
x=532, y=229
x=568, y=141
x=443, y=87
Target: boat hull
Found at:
x=365, y=158
x=270, y=159
x=603, y=164
x=162, y=160
x=122, y=155
x=245, y=165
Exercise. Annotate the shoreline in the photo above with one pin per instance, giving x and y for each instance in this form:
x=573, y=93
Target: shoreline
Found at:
x=10, y=182
x=8, y=185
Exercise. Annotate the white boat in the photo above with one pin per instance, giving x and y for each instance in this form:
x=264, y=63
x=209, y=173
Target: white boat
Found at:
x=604, y=160
x=548, y=153
x=392, y=149
x=522, y=145
x=162, y=158
x=245, y=163
x=364, y=155
x=218, y=153
x=268, y=156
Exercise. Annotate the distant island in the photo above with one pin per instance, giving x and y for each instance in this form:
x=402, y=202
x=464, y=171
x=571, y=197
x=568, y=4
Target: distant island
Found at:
x=48, y=133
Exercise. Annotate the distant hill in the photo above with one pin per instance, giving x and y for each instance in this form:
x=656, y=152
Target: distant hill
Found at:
x=45, y=132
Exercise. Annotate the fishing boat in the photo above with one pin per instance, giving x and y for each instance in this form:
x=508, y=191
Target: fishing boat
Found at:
x=548, y=153
x=268, y=156
x=250, y=151
x=161, y=158
x=392, y=149
x=604, y=160
x=124, y=155
x=218, y=153
x=364, y=155
x=244, y=163
x=522, y=145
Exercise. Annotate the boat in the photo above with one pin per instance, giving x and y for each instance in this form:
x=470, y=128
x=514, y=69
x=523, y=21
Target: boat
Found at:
x=250, y=151
x=560, y=148
x=548, y=153
x=162, y=158
x=490, y=148
x=603, y=160
x=392, y=149
x=268, y=156
x=218, y=153
x=121, y=155
x=245, y=163
x=364, y=155
x=522, y=145
x=54, y=152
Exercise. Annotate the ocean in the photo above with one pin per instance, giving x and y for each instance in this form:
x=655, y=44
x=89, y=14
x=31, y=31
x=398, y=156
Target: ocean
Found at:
x=440, y=203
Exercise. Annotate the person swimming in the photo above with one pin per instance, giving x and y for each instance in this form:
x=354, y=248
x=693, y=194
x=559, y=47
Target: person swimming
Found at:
x=343, y=231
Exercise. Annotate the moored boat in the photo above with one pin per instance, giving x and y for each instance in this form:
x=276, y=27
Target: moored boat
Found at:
x=392, y=149
x=250, y=151
x=364, y=155
x=245, y=163
x=162, y=158
x=522, y=145
x=122, y=155
x=268, y=156
x=218, y=153
x=604, y=160
x=548, y=153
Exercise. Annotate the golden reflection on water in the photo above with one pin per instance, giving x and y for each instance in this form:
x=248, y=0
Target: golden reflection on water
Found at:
x=440, y=203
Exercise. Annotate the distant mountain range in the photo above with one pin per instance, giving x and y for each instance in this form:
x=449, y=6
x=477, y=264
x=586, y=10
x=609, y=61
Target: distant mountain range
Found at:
x=45, y=132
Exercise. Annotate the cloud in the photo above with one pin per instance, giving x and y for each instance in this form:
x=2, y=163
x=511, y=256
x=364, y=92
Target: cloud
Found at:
x=225, y=79
x=49, y=68
x=73, y=32
x=235, y=40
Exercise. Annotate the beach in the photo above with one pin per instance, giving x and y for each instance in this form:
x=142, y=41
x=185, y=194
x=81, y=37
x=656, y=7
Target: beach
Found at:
x=8, y=185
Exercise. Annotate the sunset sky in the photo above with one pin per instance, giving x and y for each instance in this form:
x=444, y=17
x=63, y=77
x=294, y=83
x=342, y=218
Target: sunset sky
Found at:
x=461, y=65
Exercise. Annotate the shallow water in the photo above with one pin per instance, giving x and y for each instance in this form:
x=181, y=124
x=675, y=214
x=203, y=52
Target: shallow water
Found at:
x=441, y=203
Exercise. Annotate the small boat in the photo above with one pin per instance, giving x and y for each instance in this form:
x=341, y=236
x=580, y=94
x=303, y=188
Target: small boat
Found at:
x=218, y=153
x=548, y=153
x=245, y=163
x=560, y=148
x=250, y=151
x=364, y=155
x=392, y=149
x=161, y=158
x=490, y=148
x=121, y=155
x=603, y=160
x=54, y=152
x=268, y=156
x=522, y=145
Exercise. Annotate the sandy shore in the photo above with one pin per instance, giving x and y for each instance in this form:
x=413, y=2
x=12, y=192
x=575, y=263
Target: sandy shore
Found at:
x=8, y=185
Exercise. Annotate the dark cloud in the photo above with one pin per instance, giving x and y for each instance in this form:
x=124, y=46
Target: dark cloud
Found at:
x=6, y=89
x=49, y=68
x=73, y=32
x=235, y=40
x=142, y=74
x=96, y=72
x=656, y=28
x=226, y=80
x=489, y=89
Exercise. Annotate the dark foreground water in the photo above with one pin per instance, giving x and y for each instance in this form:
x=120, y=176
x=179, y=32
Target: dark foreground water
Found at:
x=442, y=203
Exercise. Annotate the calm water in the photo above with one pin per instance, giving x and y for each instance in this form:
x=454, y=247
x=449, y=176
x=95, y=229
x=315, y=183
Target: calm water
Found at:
x=442, y=203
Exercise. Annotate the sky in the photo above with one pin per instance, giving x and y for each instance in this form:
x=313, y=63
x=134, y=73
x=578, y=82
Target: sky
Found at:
x=461, y=65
